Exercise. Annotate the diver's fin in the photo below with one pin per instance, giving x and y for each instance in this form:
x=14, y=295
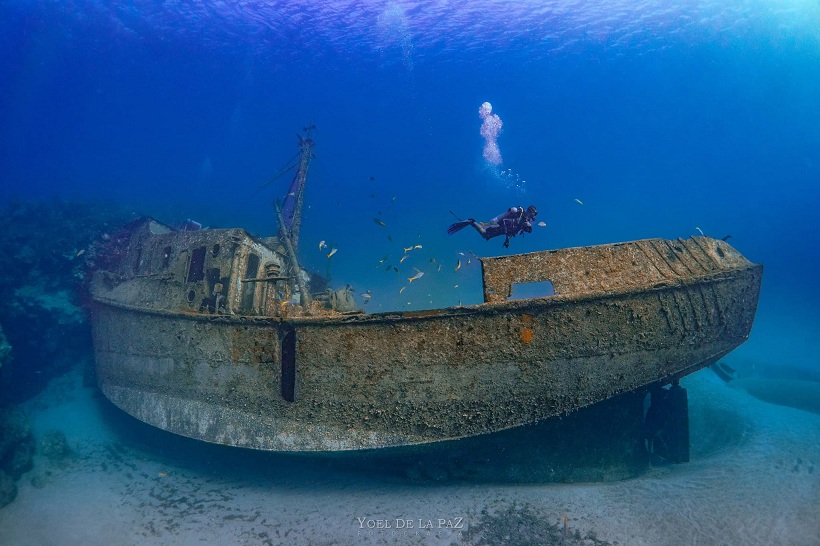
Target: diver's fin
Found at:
x=458, y=226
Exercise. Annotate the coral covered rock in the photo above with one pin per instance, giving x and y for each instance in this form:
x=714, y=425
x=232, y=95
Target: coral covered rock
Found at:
x=8, y=489
x=16, y=443
x=47, y=250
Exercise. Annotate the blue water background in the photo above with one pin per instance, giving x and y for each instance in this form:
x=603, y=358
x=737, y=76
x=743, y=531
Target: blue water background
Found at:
x=661, y=119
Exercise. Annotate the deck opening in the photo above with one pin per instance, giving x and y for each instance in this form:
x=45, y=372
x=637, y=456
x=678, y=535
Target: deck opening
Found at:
x=529, y=290
x=196, y=269
x=288, y=340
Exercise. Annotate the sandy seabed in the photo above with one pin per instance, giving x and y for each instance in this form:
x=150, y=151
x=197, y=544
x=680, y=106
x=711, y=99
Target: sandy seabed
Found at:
x=754, y=478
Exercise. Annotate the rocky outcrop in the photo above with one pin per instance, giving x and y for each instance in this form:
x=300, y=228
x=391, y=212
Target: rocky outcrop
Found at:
x=16, y=451
x=47, y=250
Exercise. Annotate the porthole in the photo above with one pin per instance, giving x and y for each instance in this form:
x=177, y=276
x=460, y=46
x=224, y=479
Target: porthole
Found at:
x=215, y=250
x=191, y=295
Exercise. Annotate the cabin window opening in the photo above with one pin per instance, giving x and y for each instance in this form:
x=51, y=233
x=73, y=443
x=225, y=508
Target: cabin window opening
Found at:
x=214, y=299
x=196, y=269
x=166, y=257
x=530, y=290
x=249, y=288
x=191, y=295
x=215, y=250
x=288, y=358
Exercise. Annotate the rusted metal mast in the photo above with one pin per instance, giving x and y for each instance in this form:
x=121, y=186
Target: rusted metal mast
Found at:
x=290, y=220
x=298, y=187
x=295, y=270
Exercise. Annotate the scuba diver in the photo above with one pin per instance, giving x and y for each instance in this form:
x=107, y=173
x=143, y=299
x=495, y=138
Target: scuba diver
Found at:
x=516, y=220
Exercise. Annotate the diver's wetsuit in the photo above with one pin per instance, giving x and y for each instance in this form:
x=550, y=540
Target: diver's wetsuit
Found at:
x=516, y=220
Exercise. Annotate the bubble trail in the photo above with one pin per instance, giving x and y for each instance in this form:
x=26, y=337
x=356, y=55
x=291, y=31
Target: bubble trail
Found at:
x=490, y=129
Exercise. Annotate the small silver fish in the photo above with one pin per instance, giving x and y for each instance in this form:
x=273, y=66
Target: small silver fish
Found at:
x=403, y=258
x=579, y=201
x=332, y=252
x=700, y=230
x=417, y=276
x=458, y=266
x=322, y=245
x=542, y=224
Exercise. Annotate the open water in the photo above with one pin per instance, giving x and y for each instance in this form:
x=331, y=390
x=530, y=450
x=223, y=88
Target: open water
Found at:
x=618, y=120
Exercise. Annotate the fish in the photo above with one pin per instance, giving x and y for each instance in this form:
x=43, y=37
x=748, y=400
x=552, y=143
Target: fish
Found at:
x=407, y=249
x=367, y=295
x=380, y=222
x=579, y=201
x=396, y=269
x=403, y=258
x=699, y=230
x=322, y=245
x=417, y=246
x=417, y=276
x=386, y=256
x=542, y=224
x=458, y=266
x=332, y=252
x=402, y=289
x=439, y=267
x=162, y=474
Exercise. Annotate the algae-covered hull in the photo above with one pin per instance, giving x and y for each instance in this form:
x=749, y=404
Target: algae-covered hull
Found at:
x=623, y=316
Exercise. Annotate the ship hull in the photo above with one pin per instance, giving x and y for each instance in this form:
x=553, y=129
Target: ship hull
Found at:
x=395, y=379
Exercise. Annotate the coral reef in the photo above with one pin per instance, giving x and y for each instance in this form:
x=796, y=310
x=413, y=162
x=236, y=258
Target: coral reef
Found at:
x=47, y=251
x=8, y=489
x=16, y=451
